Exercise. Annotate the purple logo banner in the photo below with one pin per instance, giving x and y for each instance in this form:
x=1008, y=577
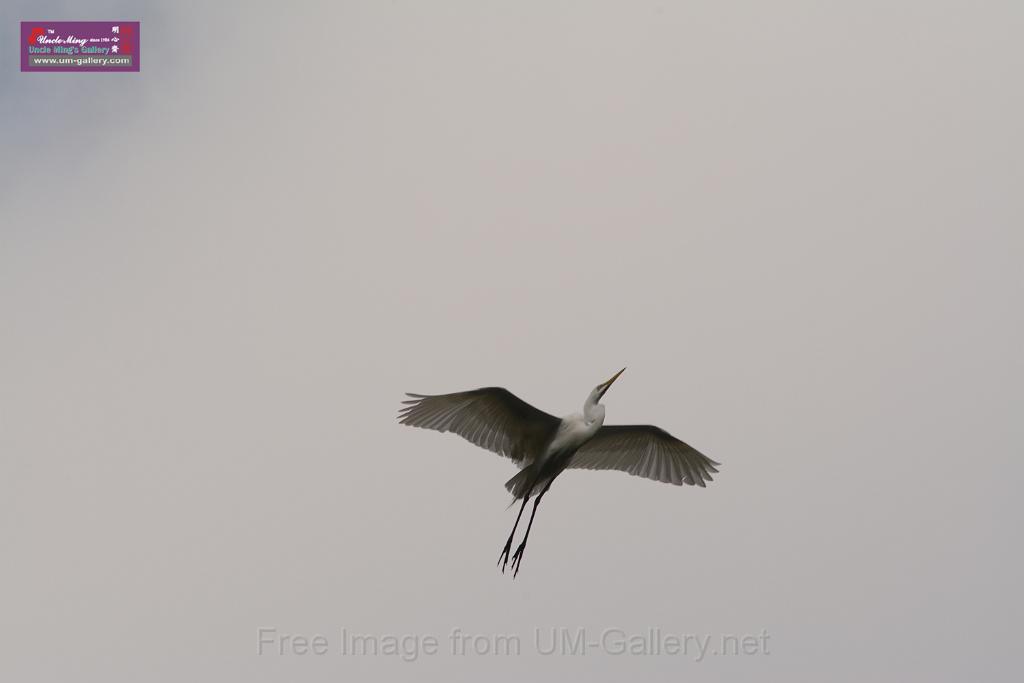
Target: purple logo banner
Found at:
x=79, y=46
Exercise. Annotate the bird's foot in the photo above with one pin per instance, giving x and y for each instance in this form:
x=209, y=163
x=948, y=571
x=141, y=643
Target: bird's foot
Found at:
x=517, y=559
x=503, y=558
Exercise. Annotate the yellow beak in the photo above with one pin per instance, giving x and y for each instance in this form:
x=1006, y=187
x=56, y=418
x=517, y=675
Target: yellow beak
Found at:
x=609, y=382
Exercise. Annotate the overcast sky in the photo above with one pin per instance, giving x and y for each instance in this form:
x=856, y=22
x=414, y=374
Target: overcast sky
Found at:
x=799, y=224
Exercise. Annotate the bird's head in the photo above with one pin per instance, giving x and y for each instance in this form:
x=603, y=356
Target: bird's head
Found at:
x=593, y=412
x=601, y=388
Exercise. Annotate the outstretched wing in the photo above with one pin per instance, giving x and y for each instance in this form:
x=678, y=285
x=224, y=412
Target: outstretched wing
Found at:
x=492, y=418
x=644, y=451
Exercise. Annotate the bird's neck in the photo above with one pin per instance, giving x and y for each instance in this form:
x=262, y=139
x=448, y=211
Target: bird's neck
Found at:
x=593, y=412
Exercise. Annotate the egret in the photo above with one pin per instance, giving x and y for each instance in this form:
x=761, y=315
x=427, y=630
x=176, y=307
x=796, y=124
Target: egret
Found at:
x=543, y=446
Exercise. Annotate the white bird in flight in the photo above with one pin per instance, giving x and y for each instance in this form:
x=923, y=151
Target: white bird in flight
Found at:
x=543, y=446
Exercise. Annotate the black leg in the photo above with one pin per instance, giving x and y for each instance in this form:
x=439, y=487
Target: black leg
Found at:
x=517, y=558
x=508, y=543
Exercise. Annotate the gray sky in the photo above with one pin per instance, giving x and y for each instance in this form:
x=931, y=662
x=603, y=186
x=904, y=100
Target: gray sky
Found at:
x=798, y=223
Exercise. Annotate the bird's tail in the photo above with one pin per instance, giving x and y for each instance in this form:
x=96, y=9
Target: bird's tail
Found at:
x=522, y=484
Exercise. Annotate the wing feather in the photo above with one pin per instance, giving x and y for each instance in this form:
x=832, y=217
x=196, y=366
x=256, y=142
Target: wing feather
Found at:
x=492, y=418
x=645, y=451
